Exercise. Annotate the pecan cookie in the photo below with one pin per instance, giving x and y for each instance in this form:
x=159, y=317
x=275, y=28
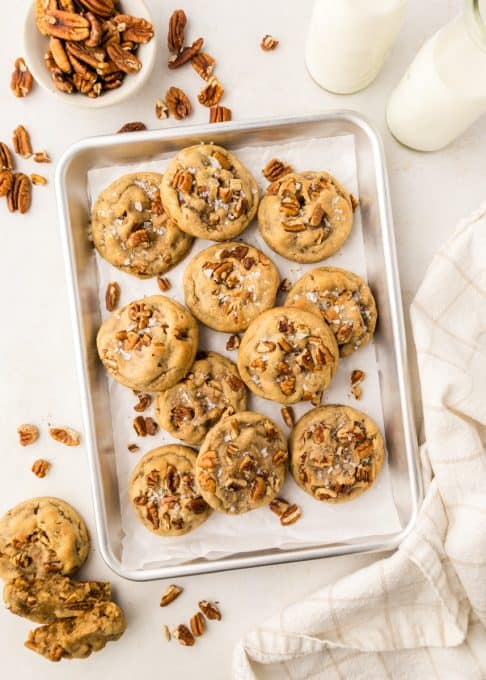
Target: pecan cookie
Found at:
x=336, y=453
x=343, y=299
x=150, y=344
x=131, y=229
x=209, y=193
x=40, y=537
x=242, y=463
x=228, y=285
x=46, y=600
x=163, y=493
x=288, y=355
x=77, y=637
x=306, y=216
x=210, y=391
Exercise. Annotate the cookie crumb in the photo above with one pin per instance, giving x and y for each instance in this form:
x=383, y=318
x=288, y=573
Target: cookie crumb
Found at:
x=357, y=377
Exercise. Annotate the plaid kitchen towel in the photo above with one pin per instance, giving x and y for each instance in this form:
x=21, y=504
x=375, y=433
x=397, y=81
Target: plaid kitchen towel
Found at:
x=420, y=613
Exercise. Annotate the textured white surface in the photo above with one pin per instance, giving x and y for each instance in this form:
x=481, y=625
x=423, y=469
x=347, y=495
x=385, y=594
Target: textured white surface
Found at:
x=37, y=374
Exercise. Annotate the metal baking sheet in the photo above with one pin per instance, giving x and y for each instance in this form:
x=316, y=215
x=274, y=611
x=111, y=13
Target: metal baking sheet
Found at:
x=71, y=188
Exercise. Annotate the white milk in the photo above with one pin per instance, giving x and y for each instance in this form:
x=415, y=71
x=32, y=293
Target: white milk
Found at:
x=443, y=90
x=349, y=40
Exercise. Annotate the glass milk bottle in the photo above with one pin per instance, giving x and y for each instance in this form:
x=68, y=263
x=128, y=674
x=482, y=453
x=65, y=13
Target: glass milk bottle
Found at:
x=349, y=40
x=444, y=89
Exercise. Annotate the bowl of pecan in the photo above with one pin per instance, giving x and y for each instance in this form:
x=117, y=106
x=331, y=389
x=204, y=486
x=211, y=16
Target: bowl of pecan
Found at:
x=91, y=53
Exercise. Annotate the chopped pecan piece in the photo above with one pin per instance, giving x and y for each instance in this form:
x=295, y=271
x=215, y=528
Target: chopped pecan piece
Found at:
x=291, y=515
x=139, y=426
x=186, y=54
x=288, y=416
x=219, y=114
x=41, y=157
x=197, y=624
x=136, y=126
x=287, y=386
x=65, y=435
x=112, y=296
x=211, y=93
x=161, y=109
x=144, y=401
x=21, y=142
x=177, y=24
x=38, y=180
x=279, y=506
x=133, y=448
x=203, y=64
x=279, y=456
x=210, y=610
x=268, y=43
x=166, y=632
x=178, y=103
x=275, y=169
x=151, y=426
x=22, y=81
x=171, y=593
x=28, y=434
x=183, y=635
x=40, y=467
x=163, y=283
x=233, y=343
x=140, y=237
x=66, y=25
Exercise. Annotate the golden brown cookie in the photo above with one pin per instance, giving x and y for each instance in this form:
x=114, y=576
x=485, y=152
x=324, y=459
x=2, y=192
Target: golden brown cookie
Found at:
x=150, y=344
x=131, y=229
x=343, y=299
x=241, y=465
x=163, y=493
x=336, y=453
x=209, y=193
x=228, y=285
x=45, y=600
x=210, y=391
x=306, y=216
x=42, y=536
x=76, y=638
x=288, y=355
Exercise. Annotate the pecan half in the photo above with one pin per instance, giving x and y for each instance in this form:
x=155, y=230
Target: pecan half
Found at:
x=211, y=93
x=65, y=435
x=170, y=595
x=112, y=296
x=28, y=434
x=139, y=426
x=177, y=24
x=136, y=126
x=144, y=401
x=104, y=8
x=178, y=103
x=279, y=506
x=124, y=60
x=6, y=182
x=6, y=161
x=134, y=29
x=219, y=114
x=59, y=54
x=268, y=43
x=203, y=64
x=95, y=30
x=183, y=635
x=66, y=25
x=21, y=142
x=20, y=195
x=210, y=610
x=186, y=54
x=197, y=624
x=288, y=416
x=21, y=81
x=93, y=56
x=275, y=169
x=163, y=283
x=40, y=467
x=161, y=109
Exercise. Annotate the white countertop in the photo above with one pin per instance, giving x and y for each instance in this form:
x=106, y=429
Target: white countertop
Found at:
x=38, y=379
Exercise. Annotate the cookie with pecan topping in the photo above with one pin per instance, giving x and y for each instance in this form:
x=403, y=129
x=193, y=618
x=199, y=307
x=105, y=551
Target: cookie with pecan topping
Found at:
x=336, y=453
x=163, y=492
x=149, y=344
x=209, y=193
x=210, y=391
x=306, y=216
x=343, y=299
x=40, y=537
x=288, y=355
x=227, y=285
x=132, y=230
x=241, y=465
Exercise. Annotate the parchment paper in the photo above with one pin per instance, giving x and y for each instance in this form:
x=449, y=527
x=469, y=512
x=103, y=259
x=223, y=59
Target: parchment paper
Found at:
x=373, y=513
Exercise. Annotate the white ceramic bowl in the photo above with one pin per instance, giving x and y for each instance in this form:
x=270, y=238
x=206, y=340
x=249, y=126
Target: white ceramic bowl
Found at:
x=36, y=45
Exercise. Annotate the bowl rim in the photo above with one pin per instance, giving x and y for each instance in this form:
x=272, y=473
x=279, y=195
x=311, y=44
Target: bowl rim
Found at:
x=35, y=63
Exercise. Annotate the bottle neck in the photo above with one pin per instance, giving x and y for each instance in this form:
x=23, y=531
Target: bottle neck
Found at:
x=475, y=18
